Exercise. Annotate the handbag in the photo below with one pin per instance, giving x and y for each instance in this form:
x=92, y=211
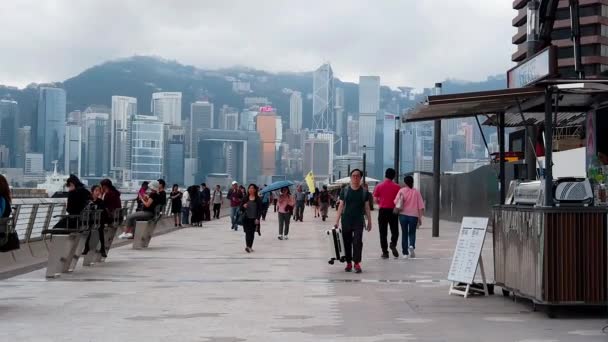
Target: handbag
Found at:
x=240, y=218
x=289, y=209
x=398, y=205
x=9, y=239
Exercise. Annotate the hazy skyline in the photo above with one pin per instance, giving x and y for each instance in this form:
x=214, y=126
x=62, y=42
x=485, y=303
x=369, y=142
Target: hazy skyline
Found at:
x=413, y=43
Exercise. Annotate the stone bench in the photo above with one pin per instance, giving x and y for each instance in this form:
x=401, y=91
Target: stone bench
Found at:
x=143, y=235
x=66, y=244
x=109, y=233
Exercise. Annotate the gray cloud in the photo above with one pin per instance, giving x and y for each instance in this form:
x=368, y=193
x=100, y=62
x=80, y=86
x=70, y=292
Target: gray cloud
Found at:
x=406, y=42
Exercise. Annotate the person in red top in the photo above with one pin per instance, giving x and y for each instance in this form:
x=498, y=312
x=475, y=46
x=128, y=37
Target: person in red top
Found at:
x=385, y=194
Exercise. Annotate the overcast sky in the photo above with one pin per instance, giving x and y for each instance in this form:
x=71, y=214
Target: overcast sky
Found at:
x=405, y=42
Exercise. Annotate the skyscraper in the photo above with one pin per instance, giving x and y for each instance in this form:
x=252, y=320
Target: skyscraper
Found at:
x=266, y=123
x=319, y=155
x=147, y=134
x=50, y=135
x=248, y=119
x=369, y=104
x=323, y=98
x=295, y=111
x=369, y=94
x=73, y=149
x=174, y=154
x=201, y=117
x=34, y=164
x=96, y=141
x=123, y=110
x=167, y=107
x=23, y=145
x=341, y=121
x=9, y=112
x=352, y=131
x=229, y=118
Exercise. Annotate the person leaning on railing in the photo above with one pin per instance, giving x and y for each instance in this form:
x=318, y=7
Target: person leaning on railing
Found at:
x=78, y=199
x=149, y=202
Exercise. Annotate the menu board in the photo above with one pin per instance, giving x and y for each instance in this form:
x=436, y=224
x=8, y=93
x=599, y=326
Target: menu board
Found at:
x=468, y=249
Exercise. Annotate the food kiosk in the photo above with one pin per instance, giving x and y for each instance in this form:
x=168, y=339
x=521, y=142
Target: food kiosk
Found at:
x=549, y=235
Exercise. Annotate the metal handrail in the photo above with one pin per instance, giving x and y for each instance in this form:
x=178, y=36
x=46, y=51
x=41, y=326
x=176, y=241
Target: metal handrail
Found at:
x=32, y=216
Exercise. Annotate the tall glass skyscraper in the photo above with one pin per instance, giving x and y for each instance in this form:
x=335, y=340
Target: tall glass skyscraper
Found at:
x=123, y=110
x=167, y=107
x=96, y=139
x=8, y=127
x=147, y=133
x=323, y=98
x=50, y=134
x=201, y=117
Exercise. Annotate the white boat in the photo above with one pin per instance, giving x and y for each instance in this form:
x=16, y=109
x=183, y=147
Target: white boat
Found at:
x=54, y=182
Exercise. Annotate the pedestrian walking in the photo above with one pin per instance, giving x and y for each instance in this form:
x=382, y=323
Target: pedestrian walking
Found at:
x=217, y=201
x=176, y=205
x=286, y=204
x=316, y=202
x=251, y=207
x=353, y=205
x=186, y=207
x=300, y=204
x=384, y=195
x=206, y=200
x=324, y=202
x=235, y=197
x=196, y=206
x=411, y=209
x=265, y=203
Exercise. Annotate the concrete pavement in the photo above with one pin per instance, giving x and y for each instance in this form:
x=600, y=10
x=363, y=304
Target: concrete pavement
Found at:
x=198, y=284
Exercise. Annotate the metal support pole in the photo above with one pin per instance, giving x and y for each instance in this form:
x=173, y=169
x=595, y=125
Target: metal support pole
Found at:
x=397, y=146
x=436, y=177
x=364, y=162
x=437, y=170
x=575, y=26
x=349, y=169
x=501, y=157
x=549, y=147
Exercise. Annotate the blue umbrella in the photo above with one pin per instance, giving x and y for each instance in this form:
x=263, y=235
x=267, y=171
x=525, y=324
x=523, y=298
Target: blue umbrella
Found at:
x=277, y=186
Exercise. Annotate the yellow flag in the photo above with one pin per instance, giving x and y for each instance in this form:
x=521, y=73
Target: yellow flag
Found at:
x=310, y=181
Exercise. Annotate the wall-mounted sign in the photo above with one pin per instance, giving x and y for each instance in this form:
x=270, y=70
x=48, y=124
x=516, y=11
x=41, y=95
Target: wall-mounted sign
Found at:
x=534, y=69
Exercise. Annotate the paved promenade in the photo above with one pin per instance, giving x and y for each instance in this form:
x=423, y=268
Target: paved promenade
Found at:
x=198, y=284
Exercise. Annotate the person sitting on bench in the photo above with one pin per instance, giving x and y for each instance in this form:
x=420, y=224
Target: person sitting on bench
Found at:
x=150, y=202
x=97, y=201
x=78, y=199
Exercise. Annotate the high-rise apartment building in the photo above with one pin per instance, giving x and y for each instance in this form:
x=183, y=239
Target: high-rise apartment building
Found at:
x=201, y=117
x=167, y=106
x=123, y=110
x=34, y=164
x=50, y=135
x=323, y=98
x=594, y=36
x=295, y=111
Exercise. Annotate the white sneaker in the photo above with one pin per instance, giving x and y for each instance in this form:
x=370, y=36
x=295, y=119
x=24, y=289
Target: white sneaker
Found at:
x=128, y=236
x=412, y=252
x=280, y=237
x=122, y=236
x=405, y=256
x=285, y=237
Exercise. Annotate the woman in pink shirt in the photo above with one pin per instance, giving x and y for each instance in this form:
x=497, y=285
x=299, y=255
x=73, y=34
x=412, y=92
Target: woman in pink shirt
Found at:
x=285, y=203
x=411, y=205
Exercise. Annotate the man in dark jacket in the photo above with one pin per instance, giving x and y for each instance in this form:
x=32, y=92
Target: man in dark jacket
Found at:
x=206, y=199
